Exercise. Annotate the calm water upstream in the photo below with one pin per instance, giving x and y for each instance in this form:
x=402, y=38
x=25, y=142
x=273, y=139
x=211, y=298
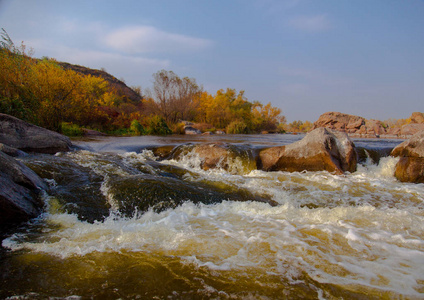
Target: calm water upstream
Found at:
x=122, y=224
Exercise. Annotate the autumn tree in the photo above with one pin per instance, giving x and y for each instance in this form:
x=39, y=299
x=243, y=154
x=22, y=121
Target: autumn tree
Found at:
x=267, y=117
x=16, y=96
x=175, y=98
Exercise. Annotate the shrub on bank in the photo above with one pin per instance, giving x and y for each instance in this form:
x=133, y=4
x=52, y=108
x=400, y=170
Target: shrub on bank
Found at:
x=136, y=128
x=158, y=126
x=237, y=127
x=71, y=130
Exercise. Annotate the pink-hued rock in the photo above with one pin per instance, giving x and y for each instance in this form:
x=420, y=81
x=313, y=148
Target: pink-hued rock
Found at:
x=322, y=149
x=339, y=121
x=374, y=127
x=410, y=167
x=417, y=117
x=353, y=125
x=411, y=129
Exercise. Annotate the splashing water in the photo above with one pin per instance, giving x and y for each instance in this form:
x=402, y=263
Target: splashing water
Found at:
x=358, y=235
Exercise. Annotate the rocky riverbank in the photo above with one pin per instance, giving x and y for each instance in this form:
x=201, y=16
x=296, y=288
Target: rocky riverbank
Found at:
x=359, y=127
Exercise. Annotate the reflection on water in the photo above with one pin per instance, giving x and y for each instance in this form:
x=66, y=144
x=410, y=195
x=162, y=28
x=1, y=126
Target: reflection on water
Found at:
x=122, y=224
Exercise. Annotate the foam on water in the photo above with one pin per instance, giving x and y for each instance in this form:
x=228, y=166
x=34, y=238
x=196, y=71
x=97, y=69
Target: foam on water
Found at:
x=362, y=231
x=348, y=246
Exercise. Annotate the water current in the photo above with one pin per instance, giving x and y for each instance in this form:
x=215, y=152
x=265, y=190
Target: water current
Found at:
x=120, y=223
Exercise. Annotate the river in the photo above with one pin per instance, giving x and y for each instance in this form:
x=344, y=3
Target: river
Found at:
x=122, y=224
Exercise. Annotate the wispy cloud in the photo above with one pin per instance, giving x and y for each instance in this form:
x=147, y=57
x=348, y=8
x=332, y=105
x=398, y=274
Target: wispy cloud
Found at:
x=144, y=39
x=316, y=23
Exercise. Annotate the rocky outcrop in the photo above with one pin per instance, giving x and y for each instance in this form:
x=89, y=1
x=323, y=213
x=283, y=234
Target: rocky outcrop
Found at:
x=353, y=125
x=417, y=118
x=321, y=149
x=410, y=129
x=339, y=121
x=359, y=127
x=20, y=191
x=410, y=167
x=30, y=138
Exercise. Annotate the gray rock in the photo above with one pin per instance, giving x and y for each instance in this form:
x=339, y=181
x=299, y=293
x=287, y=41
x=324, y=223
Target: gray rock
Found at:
x=11, y=151
x=20, y=190
x=31, y=138
x=191, y=130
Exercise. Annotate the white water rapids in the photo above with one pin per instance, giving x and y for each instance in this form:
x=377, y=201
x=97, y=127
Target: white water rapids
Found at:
x=362, y=233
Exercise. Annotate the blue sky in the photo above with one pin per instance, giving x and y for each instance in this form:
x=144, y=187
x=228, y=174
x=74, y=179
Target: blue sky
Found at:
x=307, y=57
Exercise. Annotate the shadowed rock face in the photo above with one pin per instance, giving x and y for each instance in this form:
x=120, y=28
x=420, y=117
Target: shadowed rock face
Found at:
x=19, y=191
x=30, y=138
x=321, y=149
x=410, y=167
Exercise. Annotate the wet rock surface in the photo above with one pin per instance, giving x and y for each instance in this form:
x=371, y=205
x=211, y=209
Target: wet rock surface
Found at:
x=410, y=167
x=20, y=190
x=321, y=149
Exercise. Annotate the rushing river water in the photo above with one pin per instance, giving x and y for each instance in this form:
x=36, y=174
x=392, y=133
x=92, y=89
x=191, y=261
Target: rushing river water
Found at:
x=120, y=223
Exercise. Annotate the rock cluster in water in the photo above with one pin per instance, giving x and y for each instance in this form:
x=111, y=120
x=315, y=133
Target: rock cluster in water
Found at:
x=321, y=149
x=356, y=126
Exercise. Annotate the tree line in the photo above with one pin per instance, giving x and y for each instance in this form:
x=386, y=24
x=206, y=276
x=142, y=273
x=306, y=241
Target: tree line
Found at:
x=42, y=92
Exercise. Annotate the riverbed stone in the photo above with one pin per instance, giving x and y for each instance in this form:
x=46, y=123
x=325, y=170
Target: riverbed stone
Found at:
x=410, y=167
x=322, y=149
x=20, y=190
x=27, y=137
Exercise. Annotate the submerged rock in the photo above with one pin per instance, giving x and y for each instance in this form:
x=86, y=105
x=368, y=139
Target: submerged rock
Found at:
x=321, y=149
x=31, y=138
x=20, y=191
x=234, y=159
x=410, y=167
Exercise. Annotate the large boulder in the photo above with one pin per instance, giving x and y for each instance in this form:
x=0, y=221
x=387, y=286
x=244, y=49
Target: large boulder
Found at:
x=339, y=121
x=321, y=149
x=30, y=138
x=233, y=158
x=353, y=125
x=20, y=191
x=410, y=167
x=214, y=155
